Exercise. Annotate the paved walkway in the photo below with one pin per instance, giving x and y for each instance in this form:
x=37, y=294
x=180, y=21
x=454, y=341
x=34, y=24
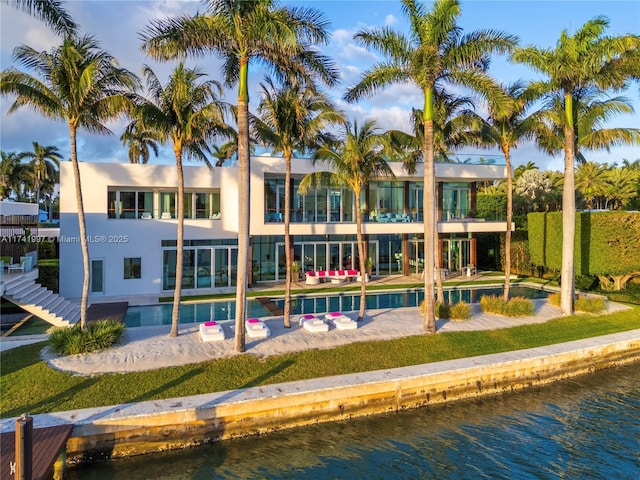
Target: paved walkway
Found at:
x=147, y=348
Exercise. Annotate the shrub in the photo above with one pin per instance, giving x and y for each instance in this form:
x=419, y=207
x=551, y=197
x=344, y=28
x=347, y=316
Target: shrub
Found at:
x=582, y=303
x=515, y=307
x=49, y=277
x=460, y=311
x=554, y=299
x=589, y=304
x=98, y=336
x=442, y=310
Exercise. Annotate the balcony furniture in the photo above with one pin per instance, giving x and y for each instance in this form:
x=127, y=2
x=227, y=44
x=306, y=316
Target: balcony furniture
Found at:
x=18, y=267
x=165, y=216
x=146, y=216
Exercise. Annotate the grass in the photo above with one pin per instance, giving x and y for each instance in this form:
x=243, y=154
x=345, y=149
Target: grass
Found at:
x=48, y=262
x=28, y=384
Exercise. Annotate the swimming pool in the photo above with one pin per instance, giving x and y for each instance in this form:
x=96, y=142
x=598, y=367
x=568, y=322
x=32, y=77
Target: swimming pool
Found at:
x=224, y=310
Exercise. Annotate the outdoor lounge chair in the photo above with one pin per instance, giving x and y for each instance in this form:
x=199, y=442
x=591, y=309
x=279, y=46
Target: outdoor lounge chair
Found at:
x=256, y=328
x=312, y=278
x=15, y=267
x=211, y=332
x=312, y=323
x=341, y=321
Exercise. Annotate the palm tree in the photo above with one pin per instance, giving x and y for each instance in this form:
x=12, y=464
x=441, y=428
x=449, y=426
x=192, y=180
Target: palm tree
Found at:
x=10, y=174
x=506, y=126
x=621, y=186
x=241, y=31
x=435, y=52
x=359, y=159
x=45, y=161
x=186, y=112
x=140, y=142
x=81, y=84
x=292, y=118
x=453, y=121
x=591, y=181
x=50, y=12
x=591, y=110
x=579, y=62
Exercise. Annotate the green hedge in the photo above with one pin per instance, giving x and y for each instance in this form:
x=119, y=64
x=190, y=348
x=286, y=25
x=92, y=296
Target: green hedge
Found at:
x=606, y=243
x=49, y=277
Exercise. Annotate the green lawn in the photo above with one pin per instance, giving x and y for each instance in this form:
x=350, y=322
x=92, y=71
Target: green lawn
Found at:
x=29, y=385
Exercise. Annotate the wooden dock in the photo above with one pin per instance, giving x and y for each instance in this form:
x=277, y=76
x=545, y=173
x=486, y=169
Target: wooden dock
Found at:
x=48, y=444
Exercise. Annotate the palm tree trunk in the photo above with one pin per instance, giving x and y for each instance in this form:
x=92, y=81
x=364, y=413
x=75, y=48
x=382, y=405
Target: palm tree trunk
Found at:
x=429, y=323
x=507, y=238
x=287, y=239
x=362, y=254
x=175, y=313
x=437, y=254
x=82, y=227
x=243, y=204
x=568, y=211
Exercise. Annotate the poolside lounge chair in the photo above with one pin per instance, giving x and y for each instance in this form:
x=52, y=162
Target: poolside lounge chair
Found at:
x=341, y=321
x=312, y=323
x=211, y=332
x=256, y=328
x=312, y=278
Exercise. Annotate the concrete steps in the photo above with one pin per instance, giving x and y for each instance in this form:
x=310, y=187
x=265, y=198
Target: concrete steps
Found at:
x=41, y=302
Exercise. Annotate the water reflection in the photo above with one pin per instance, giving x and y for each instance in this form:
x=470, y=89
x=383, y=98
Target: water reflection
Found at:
x=582, y=428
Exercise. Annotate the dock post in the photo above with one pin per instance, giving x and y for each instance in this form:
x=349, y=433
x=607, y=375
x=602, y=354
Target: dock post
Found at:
x=24, y=447
x=60, y=467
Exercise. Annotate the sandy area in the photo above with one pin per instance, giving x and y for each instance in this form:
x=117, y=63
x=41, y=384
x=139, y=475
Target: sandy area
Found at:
x=146, y=348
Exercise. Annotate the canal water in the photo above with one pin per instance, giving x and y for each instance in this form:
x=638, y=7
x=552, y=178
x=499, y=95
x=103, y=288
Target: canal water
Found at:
x=583, y=428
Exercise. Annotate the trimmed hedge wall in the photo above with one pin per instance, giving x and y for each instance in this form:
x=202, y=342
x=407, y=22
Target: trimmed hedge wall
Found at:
x=606, y=243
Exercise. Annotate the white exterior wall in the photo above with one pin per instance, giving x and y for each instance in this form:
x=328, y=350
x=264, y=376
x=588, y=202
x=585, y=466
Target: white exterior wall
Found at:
x=114, y=239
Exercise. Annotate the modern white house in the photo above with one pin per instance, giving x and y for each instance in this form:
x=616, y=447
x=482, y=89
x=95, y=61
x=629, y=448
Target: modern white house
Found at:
x=131, y=224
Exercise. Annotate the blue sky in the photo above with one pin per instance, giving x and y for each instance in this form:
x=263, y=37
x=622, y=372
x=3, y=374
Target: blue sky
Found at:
x=116, y=25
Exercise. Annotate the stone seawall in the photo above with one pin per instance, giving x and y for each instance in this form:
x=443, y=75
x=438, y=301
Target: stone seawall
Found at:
x=152, y=426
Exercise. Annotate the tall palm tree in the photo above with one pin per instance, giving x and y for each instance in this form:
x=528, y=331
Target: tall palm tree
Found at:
x=292, y=118
x=241, y=31
x=10, y=174
x=188, y=113
x=587, y=59
x=434, y=52
x=453, y=122
x=506, y=126
x=50, y=12
x=141, y=143
x=592, y=109
x=45, y=161
x=81, y=84
x=360, y=158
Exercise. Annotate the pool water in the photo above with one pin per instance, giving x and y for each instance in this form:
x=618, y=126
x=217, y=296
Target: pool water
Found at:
x=222, y=310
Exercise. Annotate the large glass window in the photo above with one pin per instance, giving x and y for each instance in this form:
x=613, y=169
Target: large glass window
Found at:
x=203, y=205
x=456, y=201
x=167, y=205
x=129, y=204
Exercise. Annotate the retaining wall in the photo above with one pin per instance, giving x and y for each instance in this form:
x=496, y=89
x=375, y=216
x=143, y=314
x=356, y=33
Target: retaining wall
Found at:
x=152, y=426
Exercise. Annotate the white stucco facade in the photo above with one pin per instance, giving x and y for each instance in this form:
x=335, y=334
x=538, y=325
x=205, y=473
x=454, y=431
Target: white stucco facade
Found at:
x=135, y=229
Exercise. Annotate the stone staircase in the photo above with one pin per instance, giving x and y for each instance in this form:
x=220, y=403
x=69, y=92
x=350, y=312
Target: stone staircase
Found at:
x=39, y=301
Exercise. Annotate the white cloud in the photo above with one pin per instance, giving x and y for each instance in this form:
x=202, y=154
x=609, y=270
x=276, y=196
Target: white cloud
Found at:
x=390, y=20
